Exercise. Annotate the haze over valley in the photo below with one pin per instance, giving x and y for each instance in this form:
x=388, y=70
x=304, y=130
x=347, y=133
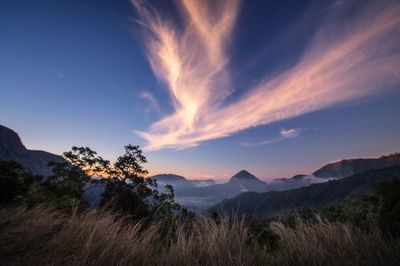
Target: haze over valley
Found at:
x=200, y=195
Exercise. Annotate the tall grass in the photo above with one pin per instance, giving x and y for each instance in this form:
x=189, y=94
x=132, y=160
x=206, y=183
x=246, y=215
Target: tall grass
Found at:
x=334, y=244
x=42, y=236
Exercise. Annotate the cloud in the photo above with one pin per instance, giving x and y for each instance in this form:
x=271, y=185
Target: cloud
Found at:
x=290, y=133
x=151, y=100
x=339, y=65
x=284, y=134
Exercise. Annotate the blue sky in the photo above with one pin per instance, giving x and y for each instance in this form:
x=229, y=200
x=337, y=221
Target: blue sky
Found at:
x=275, y=88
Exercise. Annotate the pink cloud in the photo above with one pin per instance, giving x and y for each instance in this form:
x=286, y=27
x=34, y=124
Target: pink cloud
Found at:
x=338, y=66
x=290, y=133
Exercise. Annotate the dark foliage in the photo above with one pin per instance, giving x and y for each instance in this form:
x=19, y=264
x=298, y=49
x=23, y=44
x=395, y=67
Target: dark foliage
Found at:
x=14, y=182
x=381, y=208
x=20, y=187
x=127, y=191
x=389, y=209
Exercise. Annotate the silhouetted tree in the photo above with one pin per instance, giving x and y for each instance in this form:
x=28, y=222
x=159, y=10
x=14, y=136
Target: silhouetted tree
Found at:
x=128, y=191
x=70, y=178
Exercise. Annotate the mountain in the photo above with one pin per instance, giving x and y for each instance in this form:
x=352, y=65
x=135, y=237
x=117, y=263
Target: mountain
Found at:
x=267, y=204
x=298, y=177
x=165, y=178
x=200, y=194
x=198, y=197
x=202, y=197
x=178, y=181
x=34, y=161
x=354, y=166
x=245, y=177
x=336, y=170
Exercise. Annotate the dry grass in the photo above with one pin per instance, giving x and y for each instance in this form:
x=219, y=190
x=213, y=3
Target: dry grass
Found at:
x=334, y=244
x=42, y=236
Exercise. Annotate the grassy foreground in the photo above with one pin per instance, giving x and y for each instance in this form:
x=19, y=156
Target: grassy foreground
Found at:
x=41, y=236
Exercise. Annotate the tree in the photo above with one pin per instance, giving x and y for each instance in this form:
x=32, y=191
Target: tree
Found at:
x=70, y=178
x=128, y=191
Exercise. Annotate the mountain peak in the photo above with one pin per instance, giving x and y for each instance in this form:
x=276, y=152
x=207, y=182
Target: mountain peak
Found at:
x=10, y=144
x=244, y=175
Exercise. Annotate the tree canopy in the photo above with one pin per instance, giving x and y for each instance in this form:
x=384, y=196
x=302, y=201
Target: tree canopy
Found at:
x=127, y=190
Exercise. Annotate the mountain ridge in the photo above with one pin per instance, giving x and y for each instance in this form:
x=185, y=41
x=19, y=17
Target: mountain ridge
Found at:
x=168, y=177
x=268, y=204
x=34, y=161
x=349, y=167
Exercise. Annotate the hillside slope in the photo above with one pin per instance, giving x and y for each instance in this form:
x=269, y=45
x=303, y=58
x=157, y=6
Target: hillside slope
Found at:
x=262, y=205
x=11, y=148
x=354, y=166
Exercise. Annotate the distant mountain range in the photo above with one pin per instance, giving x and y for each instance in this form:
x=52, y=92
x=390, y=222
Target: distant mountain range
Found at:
x=267, y=204
x=264, y=198
x=243, y=181
x=34, y=161
x=206, y=196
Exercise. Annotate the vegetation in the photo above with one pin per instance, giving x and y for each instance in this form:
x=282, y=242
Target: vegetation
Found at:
x=42, y=236
x=375, y=211
x=381, y=209
x=13, y=182
x=127, y=191
x=20, y=187
x=46, y=221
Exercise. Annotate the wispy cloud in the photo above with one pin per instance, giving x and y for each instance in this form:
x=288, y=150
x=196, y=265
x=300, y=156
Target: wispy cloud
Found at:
x=284, y=134
x=290, y=133
x=151, y=100
x=338, y=66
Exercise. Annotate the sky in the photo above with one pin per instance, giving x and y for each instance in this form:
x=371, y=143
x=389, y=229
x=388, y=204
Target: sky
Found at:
x=206, y=88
